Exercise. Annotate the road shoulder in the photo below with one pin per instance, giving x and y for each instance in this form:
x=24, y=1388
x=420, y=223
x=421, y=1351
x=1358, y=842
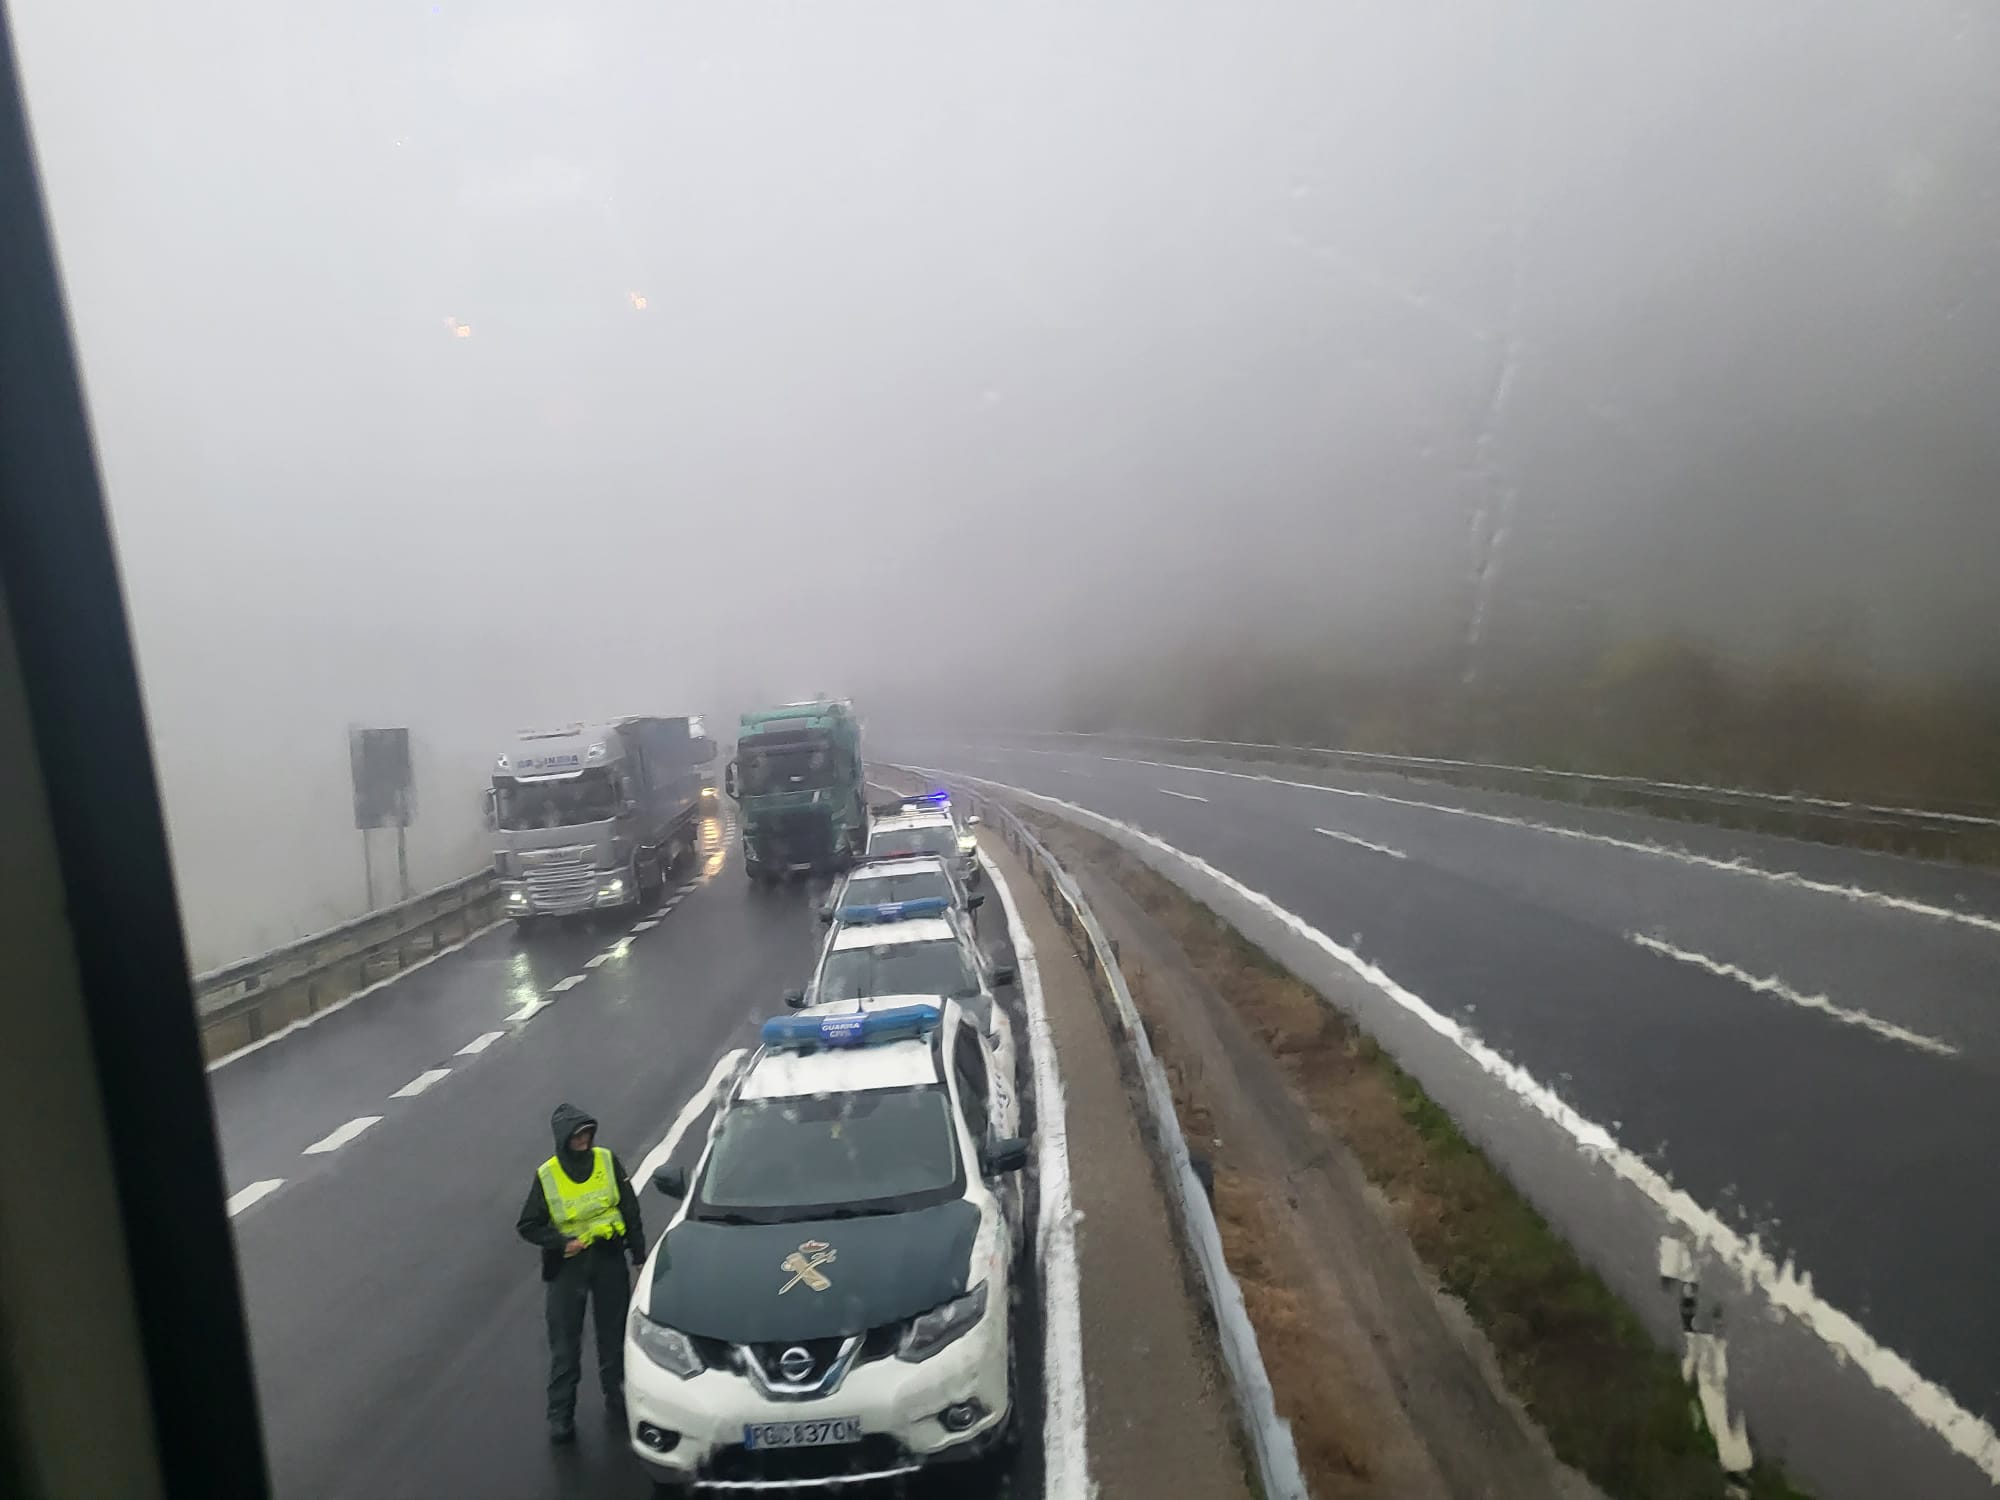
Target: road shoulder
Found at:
x=1161, y=1418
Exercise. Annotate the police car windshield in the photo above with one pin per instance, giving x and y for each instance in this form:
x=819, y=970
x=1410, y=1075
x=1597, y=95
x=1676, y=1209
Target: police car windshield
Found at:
x=588, y=798
x=914, y=885
x=914, y=841
x=936, y=967
x=881, y=1150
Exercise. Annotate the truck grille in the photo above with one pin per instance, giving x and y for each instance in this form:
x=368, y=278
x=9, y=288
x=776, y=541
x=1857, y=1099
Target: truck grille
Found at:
x=801, y=835
x=559, y=883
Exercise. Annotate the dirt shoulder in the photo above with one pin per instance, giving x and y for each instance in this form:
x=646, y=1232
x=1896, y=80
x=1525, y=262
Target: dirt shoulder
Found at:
x=1161, y=1415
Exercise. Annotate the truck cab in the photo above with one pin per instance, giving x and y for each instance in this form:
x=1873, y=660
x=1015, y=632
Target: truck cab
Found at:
x=797, y=776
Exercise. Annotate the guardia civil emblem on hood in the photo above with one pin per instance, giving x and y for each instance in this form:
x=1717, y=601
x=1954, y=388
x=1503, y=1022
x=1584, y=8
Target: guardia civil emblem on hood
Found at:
x=804, y=1263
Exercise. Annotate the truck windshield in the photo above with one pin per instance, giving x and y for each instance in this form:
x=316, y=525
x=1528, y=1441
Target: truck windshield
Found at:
x=588, y=798
x=940, y=967
x=789, y=768
x=778, y=1159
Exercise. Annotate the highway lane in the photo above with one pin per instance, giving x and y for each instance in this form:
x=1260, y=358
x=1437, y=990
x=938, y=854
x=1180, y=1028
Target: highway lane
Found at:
x=395, y=1317
x=1864, y=1156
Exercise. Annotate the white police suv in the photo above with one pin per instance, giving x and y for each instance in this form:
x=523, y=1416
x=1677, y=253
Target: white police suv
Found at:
x=830, y=1302
x=889, y=887
x=926, y=825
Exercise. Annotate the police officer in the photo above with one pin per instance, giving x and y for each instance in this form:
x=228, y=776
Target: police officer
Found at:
x=582, y=1213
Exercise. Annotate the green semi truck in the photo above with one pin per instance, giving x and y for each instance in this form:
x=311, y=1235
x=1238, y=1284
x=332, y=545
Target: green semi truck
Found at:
x=798, y=779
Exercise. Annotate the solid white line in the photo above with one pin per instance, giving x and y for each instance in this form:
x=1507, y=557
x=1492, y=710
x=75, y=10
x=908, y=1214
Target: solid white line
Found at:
x=480, y=1043
x=1784, y=1284
x=1637, y=846
x=691, y=1111
x=1348, y=838
x=256, y=1192
x=1065, y=1455
x=341, y=1136
x=360, y=994
x=1784, y=991
x=421, y=1082
x=566, y=984
x=1167, y=791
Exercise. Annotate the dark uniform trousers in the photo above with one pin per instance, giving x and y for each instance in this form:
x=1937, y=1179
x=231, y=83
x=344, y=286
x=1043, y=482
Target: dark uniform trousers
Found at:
x=598, y=1276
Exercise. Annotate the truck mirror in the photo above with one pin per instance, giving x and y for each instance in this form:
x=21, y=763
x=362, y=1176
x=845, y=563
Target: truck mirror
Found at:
x=490, y=809
x=729, y=779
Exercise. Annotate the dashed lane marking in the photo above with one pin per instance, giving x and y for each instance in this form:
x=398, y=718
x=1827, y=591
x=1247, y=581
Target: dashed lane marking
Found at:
x=597, y=958
x=1167, y=791
x=1348, y=838
x=646, y=926
x=566, y=984
x=480, y=1043
x=1782, y=991
x=255, y=1193
x=340, y=1137
x=529, y=1011
x=421, y=1082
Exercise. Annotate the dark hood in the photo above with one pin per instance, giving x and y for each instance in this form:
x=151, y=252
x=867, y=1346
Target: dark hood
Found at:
x=565, y=1122
x=722, y=1281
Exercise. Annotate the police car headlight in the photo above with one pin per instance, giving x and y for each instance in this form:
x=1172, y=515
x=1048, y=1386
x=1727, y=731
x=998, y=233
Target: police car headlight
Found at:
x=943, y=1325
x=669, y=1348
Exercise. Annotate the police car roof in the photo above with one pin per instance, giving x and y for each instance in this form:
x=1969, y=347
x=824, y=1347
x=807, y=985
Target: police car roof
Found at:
x=927, y=819
x=902, y=864
x=782, y=1073
x=894, y=934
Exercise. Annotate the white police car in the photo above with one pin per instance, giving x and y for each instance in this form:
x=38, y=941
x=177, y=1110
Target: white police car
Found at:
x=830, y=1303
x=927, y=825
x=888, y=888
x=919, y=957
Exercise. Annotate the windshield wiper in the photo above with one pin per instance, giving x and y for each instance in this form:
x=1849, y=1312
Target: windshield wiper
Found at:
x=727, y=1217
x=852, y=1212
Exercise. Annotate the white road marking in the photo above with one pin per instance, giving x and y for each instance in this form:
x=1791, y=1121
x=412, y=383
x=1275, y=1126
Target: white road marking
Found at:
x=670, y=905
x=361, y=994
x=691, y=1111
x=1705, y=1366
x=566, y=984
x=255, y=1193
x=1785, y=1285
x=1065, y=1456
x=646, y=926
x=480, y=1043
x=1167, y=791
x=1637, y=846
x=1783, y=991
x=1348, y=838
x=421, y=1082
x=341, y=1136
x=691, y=885
x=529, y=1011
x=597, y=958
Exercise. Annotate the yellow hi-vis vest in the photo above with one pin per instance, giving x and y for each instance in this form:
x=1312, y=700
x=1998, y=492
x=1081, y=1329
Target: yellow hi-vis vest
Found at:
x=586, y=1210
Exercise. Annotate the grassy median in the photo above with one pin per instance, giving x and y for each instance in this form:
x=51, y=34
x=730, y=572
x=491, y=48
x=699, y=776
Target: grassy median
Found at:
x=1612, y=1403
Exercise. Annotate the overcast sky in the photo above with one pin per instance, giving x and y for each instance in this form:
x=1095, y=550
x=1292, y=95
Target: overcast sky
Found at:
x=1106, y=318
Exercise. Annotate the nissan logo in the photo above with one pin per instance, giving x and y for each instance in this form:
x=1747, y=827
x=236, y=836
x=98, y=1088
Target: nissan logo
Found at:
x=795, y=1363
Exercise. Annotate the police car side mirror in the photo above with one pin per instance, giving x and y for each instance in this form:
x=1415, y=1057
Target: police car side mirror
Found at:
x=672, y=1180
x=826, y=915
x=974, y=902
x=973, y=821
x=795, y=999
x=1003, y=974
x=1009, y=1154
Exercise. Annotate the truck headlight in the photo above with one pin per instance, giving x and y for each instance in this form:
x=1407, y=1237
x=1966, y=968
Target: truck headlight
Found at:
x=669, y=1348
x=615, y=886
x=943, y=1325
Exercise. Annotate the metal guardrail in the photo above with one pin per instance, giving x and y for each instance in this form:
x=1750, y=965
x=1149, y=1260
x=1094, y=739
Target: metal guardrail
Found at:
x=246, y=1001
x=1942, y=820
x=1268, y=1434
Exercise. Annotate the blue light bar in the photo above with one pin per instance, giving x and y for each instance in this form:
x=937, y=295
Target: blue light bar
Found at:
x=895, y=911
x=850, y=1029
x=929, y=799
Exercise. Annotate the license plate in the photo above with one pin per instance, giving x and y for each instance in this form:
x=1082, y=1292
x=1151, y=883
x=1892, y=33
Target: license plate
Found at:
x=818, y=1433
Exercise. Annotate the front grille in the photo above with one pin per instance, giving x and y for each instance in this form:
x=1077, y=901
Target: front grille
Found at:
x=875, y=1452
x=881, y=1341
x=768, y=1357
x=717, y=1354
x=801, y=835
x=562, y=880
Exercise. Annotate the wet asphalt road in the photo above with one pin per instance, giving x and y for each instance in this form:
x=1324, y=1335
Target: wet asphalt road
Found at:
x=395, y=1317
x=1866, y=1158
